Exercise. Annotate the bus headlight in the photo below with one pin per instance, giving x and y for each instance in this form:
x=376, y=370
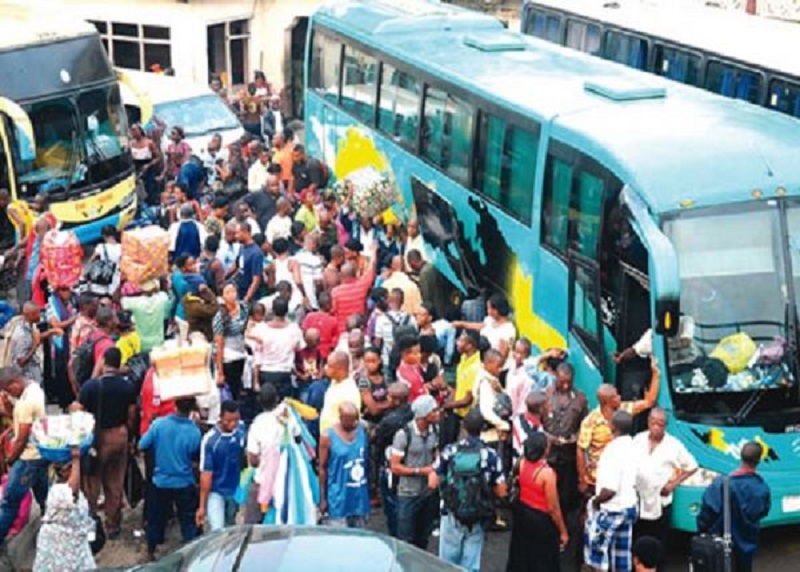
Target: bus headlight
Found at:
x=702, y=478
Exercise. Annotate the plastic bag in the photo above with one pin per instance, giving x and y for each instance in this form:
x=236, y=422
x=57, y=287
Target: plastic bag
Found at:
x=735, y=351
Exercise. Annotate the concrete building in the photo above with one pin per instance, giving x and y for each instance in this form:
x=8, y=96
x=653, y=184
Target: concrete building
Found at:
x=201, y=38
x=230, y=39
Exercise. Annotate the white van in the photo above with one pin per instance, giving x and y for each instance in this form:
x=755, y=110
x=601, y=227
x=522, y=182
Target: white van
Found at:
x=196, y=108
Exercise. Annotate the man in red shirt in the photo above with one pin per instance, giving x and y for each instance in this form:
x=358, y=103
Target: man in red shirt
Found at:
x=102, y=337
x=350, y=297
x=325, y=323
x=410, y=370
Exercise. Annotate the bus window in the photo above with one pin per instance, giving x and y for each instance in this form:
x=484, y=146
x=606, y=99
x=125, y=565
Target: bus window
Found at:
x=555, y=209
x=323, y=76
x=584, y=308
x=359, y=84
x=588, y=203
x=784, y=97
x=447, y=133
x=732, y=81
x=626, y=49
x=583, y=37
x=506, y=165
x=676, y=64
x=399, y=105
x=544, y=26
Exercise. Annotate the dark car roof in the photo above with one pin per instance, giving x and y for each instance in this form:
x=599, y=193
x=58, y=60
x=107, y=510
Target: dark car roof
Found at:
x=290, y=549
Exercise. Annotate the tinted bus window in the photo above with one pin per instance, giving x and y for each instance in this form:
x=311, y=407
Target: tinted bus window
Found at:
x=732, y=81
x=785, y=97
x=323, y=76
x=677, y=64
x=447, y=133
x=506, y=165
x=555, y=209
x=588, y=203
x=584, y=37
x=544, y=26
x=399, y=106
x=626, y=49
x=359, y=84
x=584, y=308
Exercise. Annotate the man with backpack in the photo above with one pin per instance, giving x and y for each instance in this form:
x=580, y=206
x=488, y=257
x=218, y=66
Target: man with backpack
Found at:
x=470, y=476
x=413, y=456
x=391, y=319
x=87, y=359
x=398, y=416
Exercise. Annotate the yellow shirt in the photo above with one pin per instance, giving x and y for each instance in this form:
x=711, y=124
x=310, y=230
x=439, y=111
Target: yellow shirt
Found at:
x=308, y=217
x=129, y=345
x=595, y=434
x=30, y=407
x=466, y=374
x=337, y=393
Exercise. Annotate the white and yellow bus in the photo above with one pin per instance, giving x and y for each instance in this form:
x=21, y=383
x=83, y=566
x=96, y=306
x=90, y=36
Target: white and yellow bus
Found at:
x=63, y=130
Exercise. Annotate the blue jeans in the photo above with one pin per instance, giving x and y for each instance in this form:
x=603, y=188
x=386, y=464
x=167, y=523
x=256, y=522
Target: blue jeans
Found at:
x=24, y=476
x=389, y=503
x=416, y=518
x=161, y=500
x=460, y=545
x=221, y=511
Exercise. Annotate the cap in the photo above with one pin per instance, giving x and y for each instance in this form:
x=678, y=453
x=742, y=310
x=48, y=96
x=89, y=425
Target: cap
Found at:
x=423, y=406
x=149, y=285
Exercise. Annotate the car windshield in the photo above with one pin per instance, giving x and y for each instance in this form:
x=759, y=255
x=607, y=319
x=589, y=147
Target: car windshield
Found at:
x=734, y=304
x=197, y=115
x=80, y=141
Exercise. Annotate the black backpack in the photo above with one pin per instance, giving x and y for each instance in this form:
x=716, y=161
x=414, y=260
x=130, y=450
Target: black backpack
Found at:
x=466, y=492
x=82, y=364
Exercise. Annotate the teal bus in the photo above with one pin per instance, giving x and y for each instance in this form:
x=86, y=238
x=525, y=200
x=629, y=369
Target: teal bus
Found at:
x=725, y=51
x=605, y=202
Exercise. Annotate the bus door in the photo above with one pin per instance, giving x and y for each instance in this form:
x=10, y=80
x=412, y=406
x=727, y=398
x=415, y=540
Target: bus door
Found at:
x=650, y=292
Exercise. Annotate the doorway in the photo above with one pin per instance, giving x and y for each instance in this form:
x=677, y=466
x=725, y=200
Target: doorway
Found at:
x=294, y=65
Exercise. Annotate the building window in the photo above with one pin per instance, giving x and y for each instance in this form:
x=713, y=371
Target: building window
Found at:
x=136, y=46
x=229, y=52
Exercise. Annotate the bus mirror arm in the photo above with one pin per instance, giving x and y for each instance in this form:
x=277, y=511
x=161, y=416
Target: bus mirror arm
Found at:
x=663, y=271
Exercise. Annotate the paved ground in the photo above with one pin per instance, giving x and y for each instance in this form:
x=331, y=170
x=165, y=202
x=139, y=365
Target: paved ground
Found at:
x=780, y=548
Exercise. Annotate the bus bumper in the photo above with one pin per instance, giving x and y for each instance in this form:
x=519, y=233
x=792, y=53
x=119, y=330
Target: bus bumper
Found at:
x=785, y=507
x=90, y=232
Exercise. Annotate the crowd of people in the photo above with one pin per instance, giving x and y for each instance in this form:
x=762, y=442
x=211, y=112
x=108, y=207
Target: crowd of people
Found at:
x=452, y=427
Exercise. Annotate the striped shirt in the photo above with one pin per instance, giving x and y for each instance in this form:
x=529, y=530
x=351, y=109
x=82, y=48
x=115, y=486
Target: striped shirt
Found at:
x=351, y=297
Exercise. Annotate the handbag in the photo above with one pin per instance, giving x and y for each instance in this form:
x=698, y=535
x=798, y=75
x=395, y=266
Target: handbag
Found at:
x=712, y=553
x=97, y=538
x=101, y=270
x=134, y=483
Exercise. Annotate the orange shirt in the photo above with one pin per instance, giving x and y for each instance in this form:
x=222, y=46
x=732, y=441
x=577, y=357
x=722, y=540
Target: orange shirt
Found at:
x=285, y=160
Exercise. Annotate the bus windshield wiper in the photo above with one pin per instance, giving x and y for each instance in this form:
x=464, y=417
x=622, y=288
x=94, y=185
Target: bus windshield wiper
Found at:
x=749, y=405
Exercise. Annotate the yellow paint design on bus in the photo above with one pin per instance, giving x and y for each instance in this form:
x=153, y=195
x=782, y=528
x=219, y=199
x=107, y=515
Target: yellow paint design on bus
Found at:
x=530, y=324
x=96, y=206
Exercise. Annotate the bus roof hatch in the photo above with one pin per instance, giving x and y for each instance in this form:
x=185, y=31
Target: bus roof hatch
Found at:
x=495, y=42
x=624, y=89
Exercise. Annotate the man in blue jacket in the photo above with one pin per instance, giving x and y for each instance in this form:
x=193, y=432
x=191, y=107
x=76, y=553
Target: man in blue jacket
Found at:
x=749, y=503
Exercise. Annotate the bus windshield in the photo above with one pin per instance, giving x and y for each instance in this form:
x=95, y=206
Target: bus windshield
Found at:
x=80, y=141
x=197, y=115
x=734, y=303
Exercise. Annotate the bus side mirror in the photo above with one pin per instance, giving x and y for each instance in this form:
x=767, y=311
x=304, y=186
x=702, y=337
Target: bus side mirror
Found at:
x=667, y=316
